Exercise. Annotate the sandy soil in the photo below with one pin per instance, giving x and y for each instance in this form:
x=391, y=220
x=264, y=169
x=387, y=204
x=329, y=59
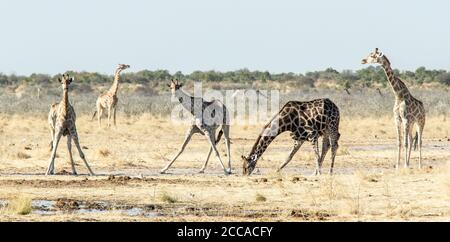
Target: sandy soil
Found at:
x=128, y=187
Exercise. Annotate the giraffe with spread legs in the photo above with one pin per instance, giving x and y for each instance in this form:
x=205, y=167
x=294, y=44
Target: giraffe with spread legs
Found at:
x=208, y=116
x=62, y=119
x=109, y=99
x=408, y=111
x=307, y=121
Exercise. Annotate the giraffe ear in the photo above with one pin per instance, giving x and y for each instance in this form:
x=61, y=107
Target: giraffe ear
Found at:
x=243, y=157
x=59, y=79
x=71, y=79
x=381, y=54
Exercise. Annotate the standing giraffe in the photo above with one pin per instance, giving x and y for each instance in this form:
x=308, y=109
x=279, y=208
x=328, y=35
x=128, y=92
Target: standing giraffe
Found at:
x=109, y=99
x=62, y=123
x=307, y=121
x=408, y=111
x=208, y=116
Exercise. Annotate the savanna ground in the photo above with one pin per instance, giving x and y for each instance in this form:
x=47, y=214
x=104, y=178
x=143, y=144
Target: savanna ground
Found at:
x=127, y=160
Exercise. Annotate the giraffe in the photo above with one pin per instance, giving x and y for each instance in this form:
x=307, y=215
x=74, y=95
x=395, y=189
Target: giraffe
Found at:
x=109, y=99
x=61, y=119
x=208, y=116
x=408, y=111
x=307, y=121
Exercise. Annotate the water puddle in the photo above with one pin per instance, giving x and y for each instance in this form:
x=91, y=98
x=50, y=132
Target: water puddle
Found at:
x=68, y=206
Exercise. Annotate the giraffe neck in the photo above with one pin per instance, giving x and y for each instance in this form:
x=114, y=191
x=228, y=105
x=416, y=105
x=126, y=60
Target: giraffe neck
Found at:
x=189, y=102
x=398, y=87
x=65, y=103
x=115, y=85
x=261, y=145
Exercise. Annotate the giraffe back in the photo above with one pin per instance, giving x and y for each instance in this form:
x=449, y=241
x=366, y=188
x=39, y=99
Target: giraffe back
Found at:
x=309, y=120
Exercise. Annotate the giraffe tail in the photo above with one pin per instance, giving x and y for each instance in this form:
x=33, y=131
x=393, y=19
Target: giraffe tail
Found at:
x=416, y=140
x=93, y=116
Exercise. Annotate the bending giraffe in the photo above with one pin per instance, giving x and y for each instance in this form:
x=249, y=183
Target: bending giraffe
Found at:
x=208, y=116
x=109, y=99
x=307, y=121
x=408, y=111
x=61, y=119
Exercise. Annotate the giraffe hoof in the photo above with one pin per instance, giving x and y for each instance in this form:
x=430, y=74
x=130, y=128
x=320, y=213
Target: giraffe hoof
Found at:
x=201, y=171
x=162, y=171
x=316, y=173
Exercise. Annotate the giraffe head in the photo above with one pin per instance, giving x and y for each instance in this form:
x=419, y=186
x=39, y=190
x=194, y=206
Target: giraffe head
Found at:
x=248, y=165
x=65, y=81
x=174, y=86
x=373, y=58
x=123, y=67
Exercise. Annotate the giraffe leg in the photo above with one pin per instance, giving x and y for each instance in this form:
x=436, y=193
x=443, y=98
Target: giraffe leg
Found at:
x=398, y=123
x=212, y=141
x=109, y=116
x=411, y=144
x=52, y=133
x=189, y=134
x=206, y=162
x=51, y=165
x=407, y=139
x=325, y=148
x=334, y=139
x=99, y=117
x=316, y=151
x=294, y=150
x=114, y=116
x=69, y=148
x=80, y=151
x=226, y=132
x=420, y=132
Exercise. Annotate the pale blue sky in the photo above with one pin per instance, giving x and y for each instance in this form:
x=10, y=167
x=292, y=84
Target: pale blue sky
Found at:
x=52, y=36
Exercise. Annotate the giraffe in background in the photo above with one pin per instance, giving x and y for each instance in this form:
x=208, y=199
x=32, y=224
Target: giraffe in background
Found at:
x=307, y=121
x=109, y=99
x=62, y=119
x=408, y=111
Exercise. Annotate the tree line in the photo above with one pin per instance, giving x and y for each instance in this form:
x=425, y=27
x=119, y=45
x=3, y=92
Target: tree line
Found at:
x=367, y=77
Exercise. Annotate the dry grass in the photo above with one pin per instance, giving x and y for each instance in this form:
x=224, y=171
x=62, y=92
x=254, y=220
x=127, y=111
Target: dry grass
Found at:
x=104, y=152
x=365, y=186
x=20, y=205
x=260, y=198
x=22, y=156
x=165, y=197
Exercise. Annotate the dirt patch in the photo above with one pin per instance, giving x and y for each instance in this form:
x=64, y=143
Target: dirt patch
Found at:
x=67, y=204
x=299, y=179
x=95, y=182
x=120, y=179
x=306, y=214
x=64, y=173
